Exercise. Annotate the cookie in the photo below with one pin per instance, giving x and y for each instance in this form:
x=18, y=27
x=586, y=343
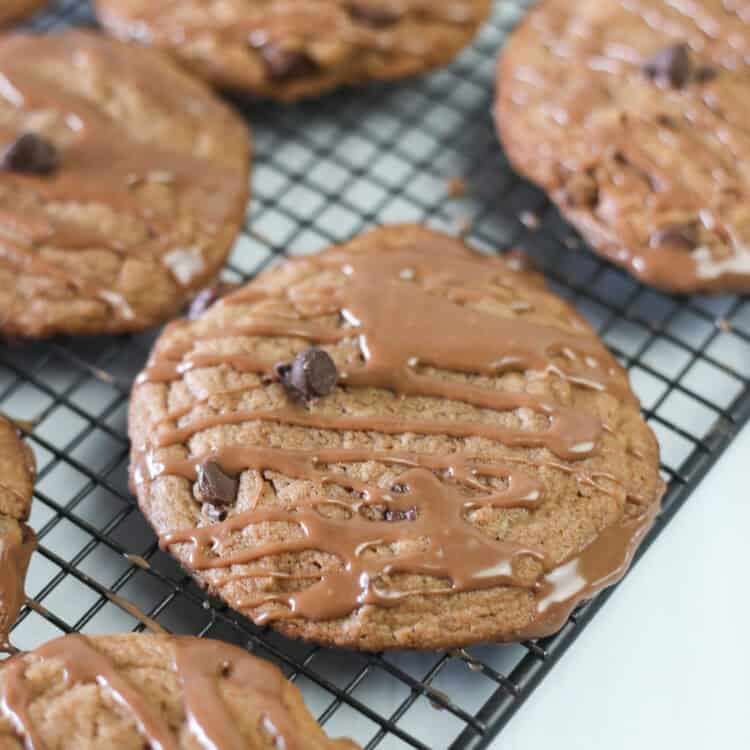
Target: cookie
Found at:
x=123, y=184
x=135, y=691
x=288, y=49
x=14, y=10
x=629, y=115
x=17, y=541
x=398, y=443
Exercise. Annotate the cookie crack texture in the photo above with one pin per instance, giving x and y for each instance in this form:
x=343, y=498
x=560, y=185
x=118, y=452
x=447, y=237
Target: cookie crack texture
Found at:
x=478, y=438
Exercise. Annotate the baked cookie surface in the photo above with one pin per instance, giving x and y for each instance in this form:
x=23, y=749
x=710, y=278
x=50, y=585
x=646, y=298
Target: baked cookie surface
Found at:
x=134, y=691
x=14, y=10
x=398, y=443
x=629, y=114
x=17, y=541
x=289, y=49
x=123, y=184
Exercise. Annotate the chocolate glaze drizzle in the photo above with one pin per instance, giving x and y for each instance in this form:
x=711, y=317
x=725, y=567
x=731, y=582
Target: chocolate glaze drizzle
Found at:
x=651, y=173
x=199, y=665
x=411, y=329
x=15, y=555
x=105, y=165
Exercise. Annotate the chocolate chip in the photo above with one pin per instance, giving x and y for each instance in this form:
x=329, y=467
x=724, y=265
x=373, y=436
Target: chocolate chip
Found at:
x=373, y=16
x=214, y=486
x=284, y=63
x=681, y=236
x=312, y=373
x=207, y=298
x=399, y=488
x=670, y=66
x=32, y=154
x=705, y=73
x=666, y=121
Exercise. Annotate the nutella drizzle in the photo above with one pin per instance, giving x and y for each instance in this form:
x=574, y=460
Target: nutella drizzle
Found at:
x=631, y=148
x=199, y=665
x=408, y=326
x=15, y=556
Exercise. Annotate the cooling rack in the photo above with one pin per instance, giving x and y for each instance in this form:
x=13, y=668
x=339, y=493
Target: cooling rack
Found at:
x=422, y=151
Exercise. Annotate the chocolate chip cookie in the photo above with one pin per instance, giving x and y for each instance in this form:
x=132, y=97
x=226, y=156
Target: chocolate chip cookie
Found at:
x=630, y=115
x=123, y=184
x=14, y=10
x=17, y=541
x=136, y=691
x=398, y=443
x=289, y=49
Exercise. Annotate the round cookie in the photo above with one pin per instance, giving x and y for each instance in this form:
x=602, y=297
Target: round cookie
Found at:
x=173, y=693
x=629, y=115
x=17, y=541
x=13, y=10
x=398, y=443
x=289, y=49
x=123, y=184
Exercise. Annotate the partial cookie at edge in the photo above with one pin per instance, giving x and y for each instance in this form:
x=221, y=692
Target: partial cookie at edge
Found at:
x=289, y=49
x=121, y=691
x=630, y=119
x=17, y=541
x=124, y=196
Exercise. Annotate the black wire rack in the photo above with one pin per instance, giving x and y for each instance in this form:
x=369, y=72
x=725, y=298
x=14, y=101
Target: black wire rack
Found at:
x=323, y=172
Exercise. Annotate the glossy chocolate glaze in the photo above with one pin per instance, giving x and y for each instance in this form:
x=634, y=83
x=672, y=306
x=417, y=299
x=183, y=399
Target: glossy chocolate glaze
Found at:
x=199, y=666
x=15, y=555
x=406, y=332
x=650, y=168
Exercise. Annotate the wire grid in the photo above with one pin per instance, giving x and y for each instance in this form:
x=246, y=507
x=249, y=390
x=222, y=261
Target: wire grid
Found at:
x=323, y=172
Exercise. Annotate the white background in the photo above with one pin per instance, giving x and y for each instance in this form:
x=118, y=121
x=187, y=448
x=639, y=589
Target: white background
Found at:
x=666, y=662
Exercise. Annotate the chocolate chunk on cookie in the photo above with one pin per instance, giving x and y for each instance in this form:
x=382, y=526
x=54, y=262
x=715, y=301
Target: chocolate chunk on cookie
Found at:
x=151, y=691
x=288, y=49
x=30, y=154
x=670, y=66
x=123, y=185
x=472, y=466
x=629, y=115
x=17, y=541
x=310, y=375
x=214, y=486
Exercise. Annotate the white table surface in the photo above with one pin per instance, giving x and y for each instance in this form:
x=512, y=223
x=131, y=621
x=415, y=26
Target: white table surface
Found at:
x=666, y=662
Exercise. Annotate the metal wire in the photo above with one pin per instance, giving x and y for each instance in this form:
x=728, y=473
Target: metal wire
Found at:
x=323, y=172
